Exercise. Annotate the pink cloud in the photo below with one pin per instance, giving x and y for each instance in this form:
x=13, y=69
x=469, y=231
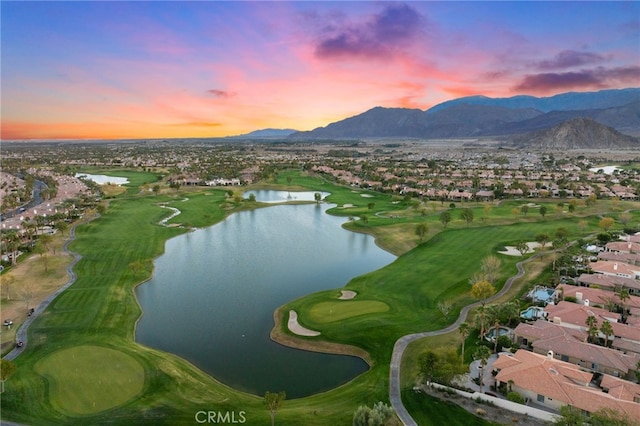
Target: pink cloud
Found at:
x=380, y=36
x=597, y=78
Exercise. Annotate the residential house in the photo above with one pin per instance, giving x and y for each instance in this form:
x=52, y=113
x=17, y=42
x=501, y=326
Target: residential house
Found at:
x=617, y=269
x=610, y=282
x=554, y=384
x=617, y=256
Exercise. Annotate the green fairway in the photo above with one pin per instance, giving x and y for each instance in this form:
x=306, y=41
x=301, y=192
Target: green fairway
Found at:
x=325, y=312
x=89, y=379
x=95, y=318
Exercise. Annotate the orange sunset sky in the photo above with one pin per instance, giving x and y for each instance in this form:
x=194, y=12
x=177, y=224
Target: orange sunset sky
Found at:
x=94, y=70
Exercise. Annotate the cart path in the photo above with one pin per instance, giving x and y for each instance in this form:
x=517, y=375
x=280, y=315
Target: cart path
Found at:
x=21, y=334
x=402, y=343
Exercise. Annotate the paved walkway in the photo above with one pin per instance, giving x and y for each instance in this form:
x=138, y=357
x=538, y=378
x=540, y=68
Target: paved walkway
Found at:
x=403, y=342
x=21, y=334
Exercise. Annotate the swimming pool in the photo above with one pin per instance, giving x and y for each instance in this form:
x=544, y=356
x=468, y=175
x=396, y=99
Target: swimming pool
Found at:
x=533, y=312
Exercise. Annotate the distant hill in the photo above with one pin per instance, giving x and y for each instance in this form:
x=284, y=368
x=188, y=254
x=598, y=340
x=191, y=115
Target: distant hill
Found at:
x=562, y=102
x=577, y=133
x=481, y=116
x=265, y=134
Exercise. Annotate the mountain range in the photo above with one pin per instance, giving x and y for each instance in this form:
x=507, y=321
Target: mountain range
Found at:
x=611, y=115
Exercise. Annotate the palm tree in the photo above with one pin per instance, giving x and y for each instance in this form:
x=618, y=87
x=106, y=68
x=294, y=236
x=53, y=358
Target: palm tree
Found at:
x=482, y=290
x=607, y=330
x=493, y=317
x=464, y=331
x=592, y=324
x=482, y=354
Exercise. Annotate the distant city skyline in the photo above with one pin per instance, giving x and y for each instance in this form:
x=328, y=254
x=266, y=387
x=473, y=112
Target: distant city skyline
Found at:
x=107, y=70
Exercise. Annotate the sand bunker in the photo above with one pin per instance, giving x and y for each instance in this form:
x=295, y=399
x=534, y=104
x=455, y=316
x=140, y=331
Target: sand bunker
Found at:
x=296, y=328
x=366, y=195
x=347, y=295
x=346, y=206
x=512, y=251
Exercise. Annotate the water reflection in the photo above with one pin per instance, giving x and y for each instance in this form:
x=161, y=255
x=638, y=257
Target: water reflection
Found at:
x=214, y=291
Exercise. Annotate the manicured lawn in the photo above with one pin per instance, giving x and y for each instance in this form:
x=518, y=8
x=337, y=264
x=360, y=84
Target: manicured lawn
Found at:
x=89, y=379
x=100, y=310
x=429, y=411
x=325, y=312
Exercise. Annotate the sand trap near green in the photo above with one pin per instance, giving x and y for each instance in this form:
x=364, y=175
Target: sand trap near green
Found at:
x=326, y=312
x=89, y=379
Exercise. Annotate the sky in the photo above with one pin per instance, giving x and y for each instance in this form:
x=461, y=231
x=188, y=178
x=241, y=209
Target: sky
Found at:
x=163, y=69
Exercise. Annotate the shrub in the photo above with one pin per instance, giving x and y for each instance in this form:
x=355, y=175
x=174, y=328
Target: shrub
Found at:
x=515, y=397
x=481, y=412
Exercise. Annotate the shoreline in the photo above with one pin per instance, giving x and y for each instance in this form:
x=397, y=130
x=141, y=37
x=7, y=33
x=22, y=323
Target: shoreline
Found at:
x=296, y=342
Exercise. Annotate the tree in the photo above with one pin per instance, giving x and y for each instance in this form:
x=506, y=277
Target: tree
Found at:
x=592, y=328
x=442, y=366
x=370, y=206
x=570, y=416
x=7, y=281
x=606, y=223
x=482, y=354
x=490, y=268
x=421, y=230
x=46, y=240
x=623, y=295
x=274, y=401
x=515, y=212
x=445, y=218
x=444, y=306
x=607, y=416
x=428, y=364
x=624, y=218
x=522, y=247
x=364, y=218
x=464, y=331
x=318, y=197
x=467, y=215
x=607, y=330
x=543, y=239
x=376, y=416
x=40, y=249
x=482, y=290
x=524, y=209
x=7, y=368
x=493, y=317
x=61, y=226
x=543, y=211
x=156, y=189
x=562, y=233
x=486, y=209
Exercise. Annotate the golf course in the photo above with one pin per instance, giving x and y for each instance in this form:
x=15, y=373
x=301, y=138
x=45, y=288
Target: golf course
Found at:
x=82, y=364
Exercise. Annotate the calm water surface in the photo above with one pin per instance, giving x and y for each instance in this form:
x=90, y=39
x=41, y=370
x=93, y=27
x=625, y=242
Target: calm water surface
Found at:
x=212, y=297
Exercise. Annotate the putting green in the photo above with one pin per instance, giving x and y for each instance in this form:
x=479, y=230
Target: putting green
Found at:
x=89, y=379
x=325, y=312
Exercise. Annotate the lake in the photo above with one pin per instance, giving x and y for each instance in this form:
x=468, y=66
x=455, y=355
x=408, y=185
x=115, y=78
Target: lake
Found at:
x=212, y=297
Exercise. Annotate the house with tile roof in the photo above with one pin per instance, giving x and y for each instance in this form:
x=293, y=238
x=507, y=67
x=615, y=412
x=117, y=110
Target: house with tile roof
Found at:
x=623, y=246
x=618, y=269
x=609, y=282
x=616, y=256
x=554, y=384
